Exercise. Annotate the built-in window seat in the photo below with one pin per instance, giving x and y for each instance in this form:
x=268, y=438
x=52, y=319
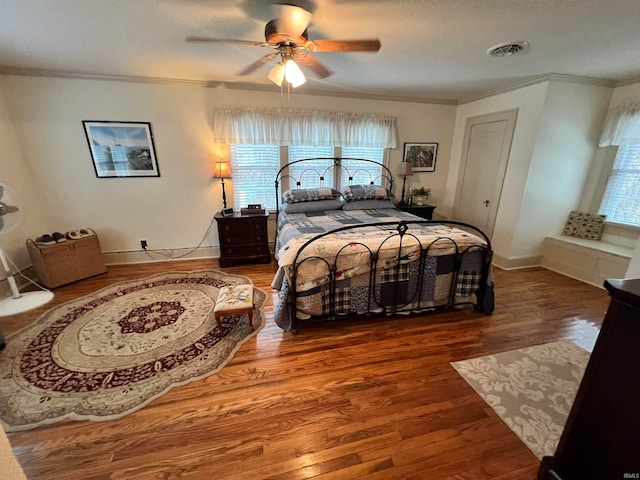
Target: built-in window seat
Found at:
x=591, y=261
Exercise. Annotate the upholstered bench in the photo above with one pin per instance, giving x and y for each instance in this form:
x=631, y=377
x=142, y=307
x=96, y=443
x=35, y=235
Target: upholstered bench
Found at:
x=234, y=300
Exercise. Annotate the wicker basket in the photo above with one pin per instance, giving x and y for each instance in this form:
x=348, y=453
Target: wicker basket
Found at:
x=68, y=261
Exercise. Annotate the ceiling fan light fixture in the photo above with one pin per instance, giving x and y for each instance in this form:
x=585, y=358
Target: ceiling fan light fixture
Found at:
x=276, y=75
x=293, y=74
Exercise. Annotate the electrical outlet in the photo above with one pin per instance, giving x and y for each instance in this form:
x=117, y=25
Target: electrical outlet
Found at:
x=143, y=244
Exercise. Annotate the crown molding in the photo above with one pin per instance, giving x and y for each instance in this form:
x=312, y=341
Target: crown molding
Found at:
x=34, y=72
x=550, y=77
x=630, y=81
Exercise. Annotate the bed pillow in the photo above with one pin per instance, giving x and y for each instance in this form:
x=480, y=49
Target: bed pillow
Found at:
x=367, y=204
x=310, y=195
x=365, y=192
x=307, y=207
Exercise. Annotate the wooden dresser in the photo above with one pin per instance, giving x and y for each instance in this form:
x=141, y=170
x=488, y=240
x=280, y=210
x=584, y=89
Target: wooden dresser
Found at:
x=243, y=238
x=601, y=439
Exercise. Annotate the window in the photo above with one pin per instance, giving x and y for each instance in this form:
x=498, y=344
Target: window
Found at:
x=363, y=172
x=621, y=200
x=255, y=166
x=254, y=170
x=310, y=178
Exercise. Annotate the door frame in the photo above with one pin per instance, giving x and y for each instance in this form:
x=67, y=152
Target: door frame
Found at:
x=510, y=116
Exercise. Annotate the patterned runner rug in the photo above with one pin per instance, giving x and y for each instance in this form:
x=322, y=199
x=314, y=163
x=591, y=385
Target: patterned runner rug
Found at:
x=531, y=389
x=108, y=354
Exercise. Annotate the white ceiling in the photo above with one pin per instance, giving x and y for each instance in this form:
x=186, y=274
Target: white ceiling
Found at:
x=432, y=50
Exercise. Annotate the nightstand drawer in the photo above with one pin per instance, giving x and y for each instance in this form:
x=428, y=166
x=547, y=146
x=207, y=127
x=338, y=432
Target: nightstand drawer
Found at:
x=244, y=231
x=234, y=238
x=245, y=250
x=244, y=226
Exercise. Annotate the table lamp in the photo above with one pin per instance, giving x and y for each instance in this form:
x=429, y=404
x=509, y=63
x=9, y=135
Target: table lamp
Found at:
x=406, y=171
x=222, y=171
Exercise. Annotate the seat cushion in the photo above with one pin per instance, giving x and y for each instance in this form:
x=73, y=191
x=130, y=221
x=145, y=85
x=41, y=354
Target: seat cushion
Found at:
x=234, y=297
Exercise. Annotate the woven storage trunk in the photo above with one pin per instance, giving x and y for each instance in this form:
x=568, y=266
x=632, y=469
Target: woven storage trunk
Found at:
x=68, y=261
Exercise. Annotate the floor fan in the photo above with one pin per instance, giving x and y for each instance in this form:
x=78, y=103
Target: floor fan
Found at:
x=17, y=302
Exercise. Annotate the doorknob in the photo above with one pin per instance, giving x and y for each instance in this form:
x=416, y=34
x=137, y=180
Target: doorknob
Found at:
x=486, y=203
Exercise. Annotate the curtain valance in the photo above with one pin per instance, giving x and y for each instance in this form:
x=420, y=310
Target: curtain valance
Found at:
x=622, y=126
x=279, y=126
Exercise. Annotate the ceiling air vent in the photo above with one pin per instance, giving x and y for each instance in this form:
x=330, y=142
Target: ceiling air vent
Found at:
x=507, y=49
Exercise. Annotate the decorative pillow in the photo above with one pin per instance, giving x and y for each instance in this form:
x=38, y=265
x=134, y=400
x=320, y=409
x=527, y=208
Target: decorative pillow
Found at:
x=584, y=225
x=365, y=192
x=367, y=204
x=310, y=195
x=307, y=207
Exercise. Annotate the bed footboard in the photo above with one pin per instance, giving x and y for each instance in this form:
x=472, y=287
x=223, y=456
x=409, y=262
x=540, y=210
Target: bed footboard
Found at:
x=402, y=274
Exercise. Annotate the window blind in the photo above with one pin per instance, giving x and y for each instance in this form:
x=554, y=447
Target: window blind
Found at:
x=363, y=172
x=305, y=172
x=621, y=200
x=254, y=170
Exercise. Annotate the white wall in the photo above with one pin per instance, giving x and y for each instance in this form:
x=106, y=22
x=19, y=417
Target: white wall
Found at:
x=556, y=126
x=174, y=210
x=553, y=144
x=15, y=173
x=529, y=101
x=568, y=134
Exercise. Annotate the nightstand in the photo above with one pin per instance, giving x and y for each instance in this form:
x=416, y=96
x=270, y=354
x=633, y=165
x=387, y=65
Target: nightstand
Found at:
x=243, y=238
x=424, y=211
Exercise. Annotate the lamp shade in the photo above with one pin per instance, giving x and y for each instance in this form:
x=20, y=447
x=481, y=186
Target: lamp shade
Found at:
x=276, y=75
x=293, y=74
x=406, y=168
x=222, y=170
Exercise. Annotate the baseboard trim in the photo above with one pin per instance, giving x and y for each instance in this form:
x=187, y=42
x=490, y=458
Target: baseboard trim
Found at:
x=159, y=255
x=514, y=263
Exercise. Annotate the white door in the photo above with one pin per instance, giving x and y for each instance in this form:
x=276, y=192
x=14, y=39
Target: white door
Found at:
x=486, y=146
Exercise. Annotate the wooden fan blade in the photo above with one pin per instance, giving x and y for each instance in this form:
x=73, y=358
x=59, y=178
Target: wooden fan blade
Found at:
x=292, y=21
x=257, y=64
x=224, y=40
x=313, y=64
x=372, y=45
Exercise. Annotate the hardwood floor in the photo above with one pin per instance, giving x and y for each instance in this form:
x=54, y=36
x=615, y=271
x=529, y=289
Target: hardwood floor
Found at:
x=365, y=398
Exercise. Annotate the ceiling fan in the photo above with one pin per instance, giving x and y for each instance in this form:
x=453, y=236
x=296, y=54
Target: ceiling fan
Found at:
x=288, y=36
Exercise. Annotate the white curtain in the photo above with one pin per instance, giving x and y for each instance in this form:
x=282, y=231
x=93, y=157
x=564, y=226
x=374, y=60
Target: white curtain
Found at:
x=622, y=126
x=278, y=126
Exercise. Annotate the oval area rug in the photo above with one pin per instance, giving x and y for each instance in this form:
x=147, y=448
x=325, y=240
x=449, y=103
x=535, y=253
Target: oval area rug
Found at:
x=108, y=354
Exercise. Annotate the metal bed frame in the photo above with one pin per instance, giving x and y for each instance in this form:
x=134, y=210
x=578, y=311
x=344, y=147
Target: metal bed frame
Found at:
x=403, y=230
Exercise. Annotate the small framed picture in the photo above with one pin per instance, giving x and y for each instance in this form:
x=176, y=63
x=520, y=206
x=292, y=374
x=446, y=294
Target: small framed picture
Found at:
x=227, y=211
x=121, y=149
x=421, y=155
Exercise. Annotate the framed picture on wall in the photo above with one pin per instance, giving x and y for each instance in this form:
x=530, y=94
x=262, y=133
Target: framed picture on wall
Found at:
x=421, y=155
x=121, y=149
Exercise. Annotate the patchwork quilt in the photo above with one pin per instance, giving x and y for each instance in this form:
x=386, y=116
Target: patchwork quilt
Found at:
x=333, y=275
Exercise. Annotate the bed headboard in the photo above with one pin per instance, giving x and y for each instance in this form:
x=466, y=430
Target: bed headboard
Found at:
x=312, y=172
